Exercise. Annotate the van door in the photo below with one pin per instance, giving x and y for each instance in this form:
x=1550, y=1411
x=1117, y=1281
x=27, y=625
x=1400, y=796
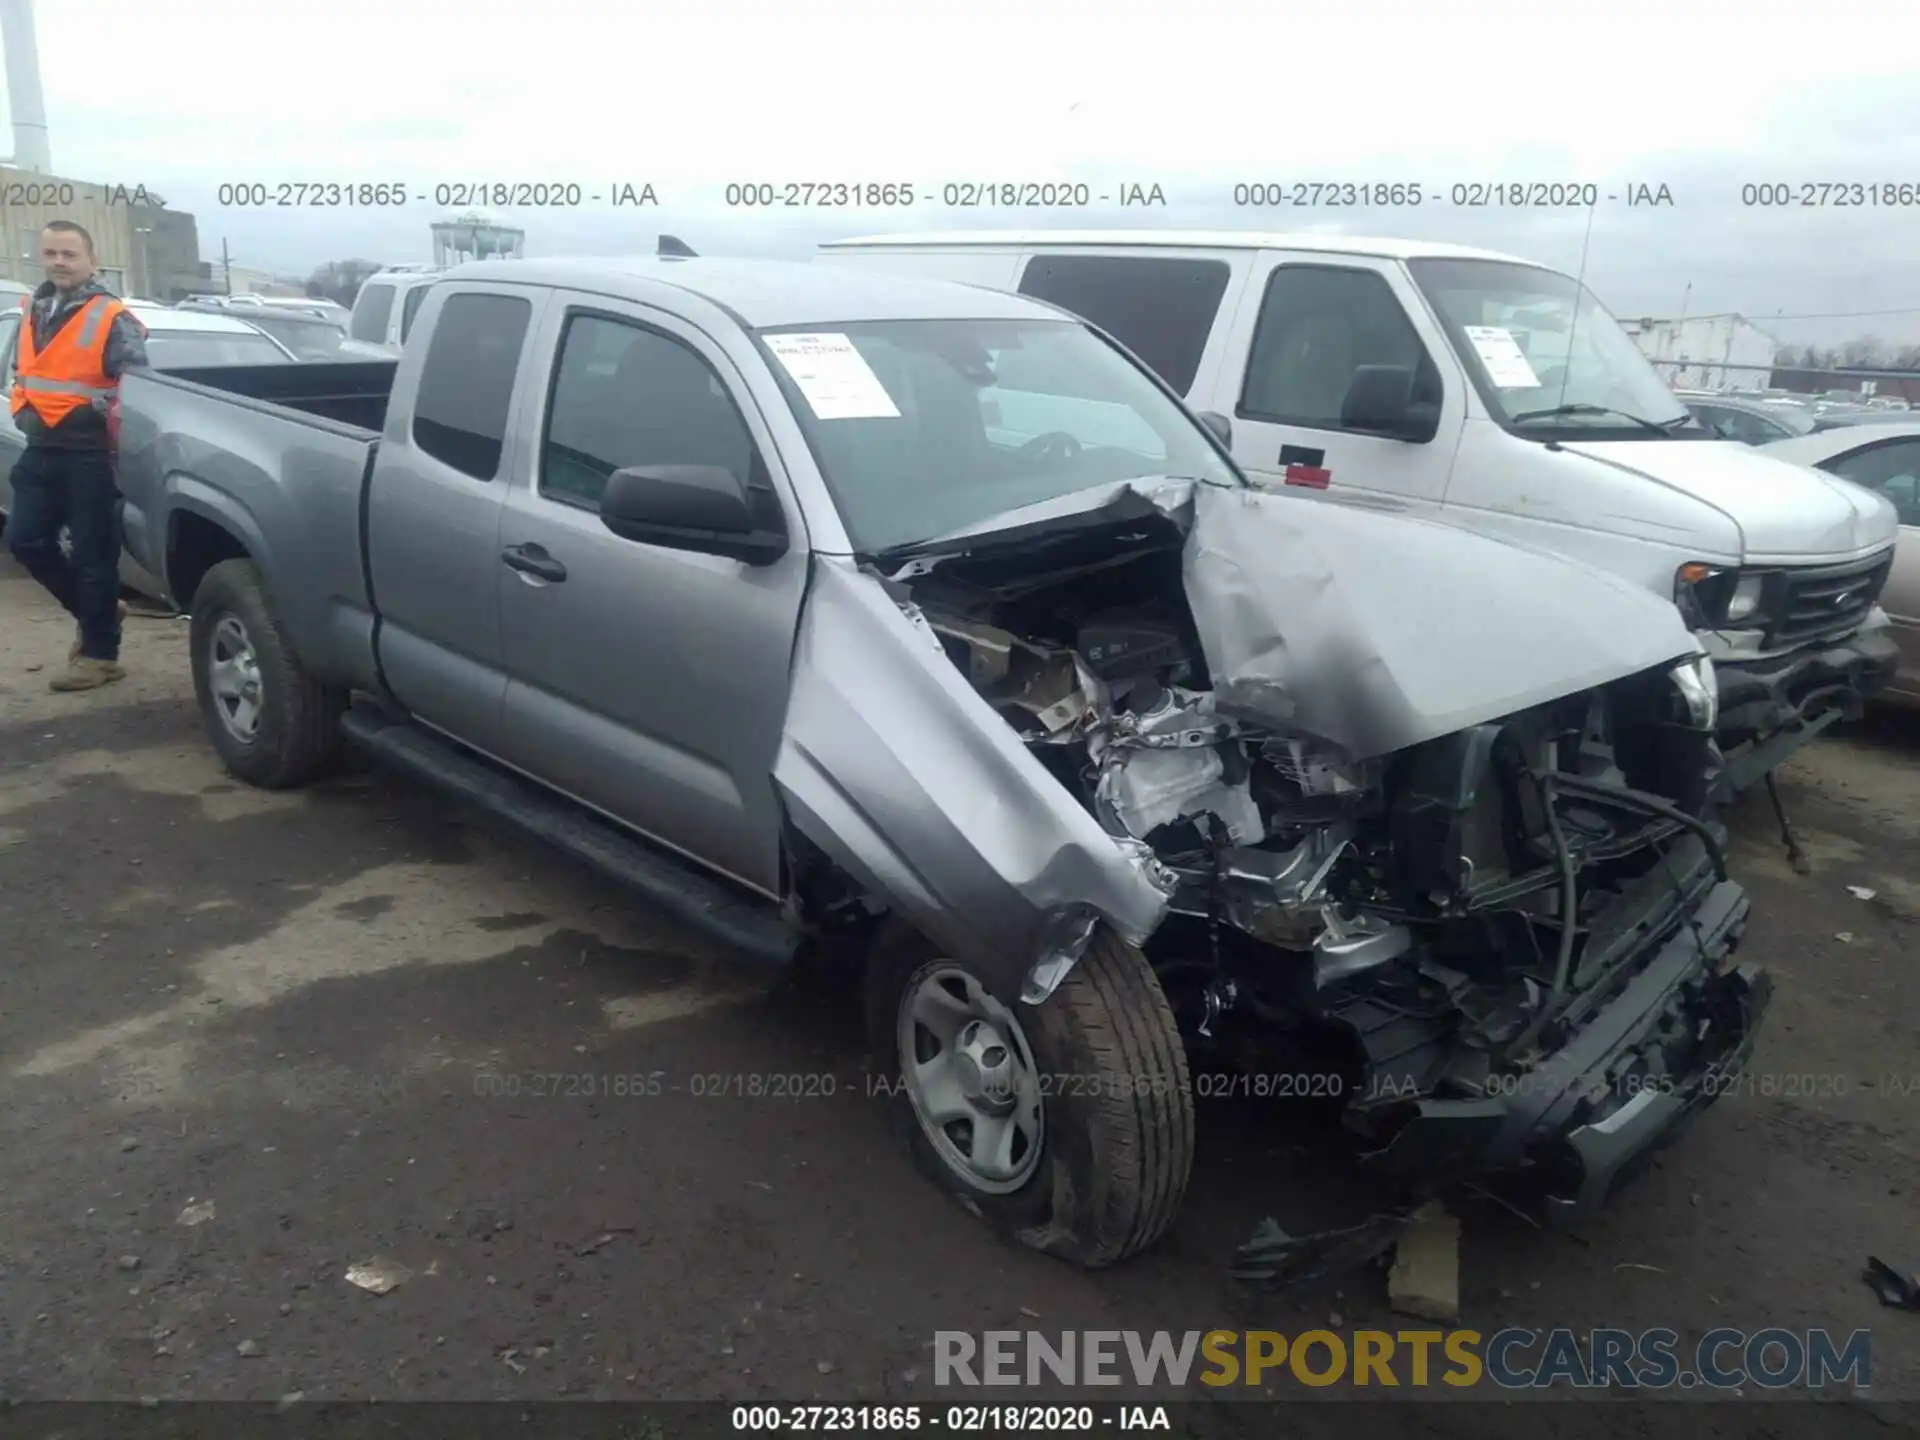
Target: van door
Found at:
x=1309, y=324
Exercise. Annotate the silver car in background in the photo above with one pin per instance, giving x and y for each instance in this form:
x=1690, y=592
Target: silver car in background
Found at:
x=1881, y=454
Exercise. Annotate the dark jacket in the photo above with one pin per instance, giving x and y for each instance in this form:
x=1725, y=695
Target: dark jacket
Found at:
x=86, y=427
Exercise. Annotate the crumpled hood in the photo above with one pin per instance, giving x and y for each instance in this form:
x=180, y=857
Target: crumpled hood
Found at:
x=1371, y=629
x=1784, y=511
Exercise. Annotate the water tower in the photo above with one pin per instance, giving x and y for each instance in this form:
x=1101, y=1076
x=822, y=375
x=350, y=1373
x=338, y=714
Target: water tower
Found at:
x=476, y=235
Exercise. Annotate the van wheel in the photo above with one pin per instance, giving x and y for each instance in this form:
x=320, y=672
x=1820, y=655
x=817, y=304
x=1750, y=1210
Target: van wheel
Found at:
x=1068, y=1124
x=274, y=725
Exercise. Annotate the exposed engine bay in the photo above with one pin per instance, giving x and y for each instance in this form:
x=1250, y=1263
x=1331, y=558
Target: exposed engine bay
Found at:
x=1409, y=934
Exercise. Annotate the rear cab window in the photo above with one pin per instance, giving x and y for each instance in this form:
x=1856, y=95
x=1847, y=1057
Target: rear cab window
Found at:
x=466, y=381
x=372, y=309
x=1162, y=308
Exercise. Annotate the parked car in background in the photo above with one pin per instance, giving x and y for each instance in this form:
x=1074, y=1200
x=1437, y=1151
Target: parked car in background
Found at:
x=1752, y=422
x=1884, y=456
x=383, y=312
x=1493, y=393
x=176, y=339
x=309, y=336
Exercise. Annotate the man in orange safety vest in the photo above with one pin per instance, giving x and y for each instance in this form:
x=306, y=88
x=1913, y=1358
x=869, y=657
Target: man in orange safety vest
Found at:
x=75, y=341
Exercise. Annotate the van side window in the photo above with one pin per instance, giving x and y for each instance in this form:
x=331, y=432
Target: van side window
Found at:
x=466, y=383
x=409, y=308
x=1317, y=325
x=1160, y=308
x=371, y=311
x=624, y=396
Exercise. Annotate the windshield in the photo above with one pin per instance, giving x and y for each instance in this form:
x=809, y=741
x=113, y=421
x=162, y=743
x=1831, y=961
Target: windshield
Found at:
x=923, y=427
x=183, y=350
x=1534, y=340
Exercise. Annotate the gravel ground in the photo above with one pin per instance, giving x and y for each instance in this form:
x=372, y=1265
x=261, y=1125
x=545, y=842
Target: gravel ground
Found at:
x=240, y=1036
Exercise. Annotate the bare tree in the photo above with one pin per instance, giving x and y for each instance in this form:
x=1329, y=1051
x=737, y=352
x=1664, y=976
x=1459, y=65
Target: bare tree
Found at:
x=1868, y=352
x=340, y=280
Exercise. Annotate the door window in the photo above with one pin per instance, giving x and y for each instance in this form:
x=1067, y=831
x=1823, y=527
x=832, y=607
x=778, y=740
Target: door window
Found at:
x=371, y=311
x=1893, y=469
x=466, y=384
x=626, y=396
x=1319, y=324
x=1160, y=308
x=409, y=308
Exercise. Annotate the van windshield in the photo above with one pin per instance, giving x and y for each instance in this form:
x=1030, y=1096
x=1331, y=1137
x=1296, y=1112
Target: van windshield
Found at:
x=1535, y=341
x=924, y=427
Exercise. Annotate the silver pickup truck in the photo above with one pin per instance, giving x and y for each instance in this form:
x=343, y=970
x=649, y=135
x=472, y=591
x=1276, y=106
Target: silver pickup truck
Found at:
x=901, y=622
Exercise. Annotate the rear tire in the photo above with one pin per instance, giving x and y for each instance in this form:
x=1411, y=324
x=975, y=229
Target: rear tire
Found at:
x=273, y=724
x=1114, y=1137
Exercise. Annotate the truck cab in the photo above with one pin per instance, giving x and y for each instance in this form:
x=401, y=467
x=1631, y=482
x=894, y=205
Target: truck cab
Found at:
x=1496, y=394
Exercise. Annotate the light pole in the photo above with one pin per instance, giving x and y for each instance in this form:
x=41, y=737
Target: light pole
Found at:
x=31, y=150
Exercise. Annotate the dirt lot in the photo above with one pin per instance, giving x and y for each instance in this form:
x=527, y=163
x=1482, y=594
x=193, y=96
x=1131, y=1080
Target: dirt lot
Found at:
x=277, y=1015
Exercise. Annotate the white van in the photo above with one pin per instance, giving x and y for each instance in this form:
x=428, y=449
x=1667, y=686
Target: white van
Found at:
x=383, y=311
x=1496, y=393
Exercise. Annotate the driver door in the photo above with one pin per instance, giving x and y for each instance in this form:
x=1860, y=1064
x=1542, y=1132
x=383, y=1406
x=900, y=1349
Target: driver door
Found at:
x=1306, y=323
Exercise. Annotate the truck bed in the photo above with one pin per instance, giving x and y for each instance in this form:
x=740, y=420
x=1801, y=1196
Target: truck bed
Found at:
x=349, y=392
x=276, y=457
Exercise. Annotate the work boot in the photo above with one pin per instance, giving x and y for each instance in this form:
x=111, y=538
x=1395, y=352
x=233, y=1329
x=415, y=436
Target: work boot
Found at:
x=73, y=650
x=87, y=673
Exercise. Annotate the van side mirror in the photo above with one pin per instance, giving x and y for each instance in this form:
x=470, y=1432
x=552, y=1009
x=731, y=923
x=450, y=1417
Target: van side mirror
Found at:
x=1219, y=425
x=1379, y=400
x=702, y=508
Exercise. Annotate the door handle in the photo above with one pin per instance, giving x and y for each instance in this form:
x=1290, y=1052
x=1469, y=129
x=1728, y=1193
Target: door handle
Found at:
x=535, y=561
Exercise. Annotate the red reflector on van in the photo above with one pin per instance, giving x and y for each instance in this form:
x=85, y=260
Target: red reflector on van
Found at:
x=1311, y=476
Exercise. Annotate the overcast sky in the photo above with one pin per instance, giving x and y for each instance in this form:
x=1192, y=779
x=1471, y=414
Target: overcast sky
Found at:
x=1701, y=98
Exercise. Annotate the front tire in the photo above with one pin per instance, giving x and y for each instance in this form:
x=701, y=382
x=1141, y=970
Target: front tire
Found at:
x=273, y=724
x=1068, y=1125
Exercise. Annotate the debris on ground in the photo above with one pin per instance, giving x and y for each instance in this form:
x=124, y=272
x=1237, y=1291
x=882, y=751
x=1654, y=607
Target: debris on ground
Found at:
x=1279, y=1259
x=1845, y=937
x=248, y=1349
x=129, y=1143
x=1425, y=1281
x=1901, y=1291
x=129, y=1262
x=197, y=1214
x=378, y=1275
x=1861, y=892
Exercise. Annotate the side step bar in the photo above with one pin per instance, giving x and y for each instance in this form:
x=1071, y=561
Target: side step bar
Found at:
x=661, y=879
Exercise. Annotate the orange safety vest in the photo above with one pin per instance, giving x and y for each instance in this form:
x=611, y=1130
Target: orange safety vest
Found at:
x=71, y=371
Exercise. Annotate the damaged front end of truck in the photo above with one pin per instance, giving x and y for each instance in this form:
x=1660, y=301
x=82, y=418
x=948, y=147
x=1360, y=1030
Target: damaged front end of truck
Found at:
x=1406, y=821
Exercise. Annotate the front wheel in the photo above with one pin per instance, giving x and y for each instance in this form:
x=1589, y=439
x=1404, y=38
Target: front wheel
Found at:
x=274, y=725
x=1068, y=1124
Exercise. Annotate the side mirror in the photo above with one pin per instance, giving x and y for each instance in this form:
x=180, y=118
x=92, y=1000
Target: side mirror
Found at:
x=1379, y=400
x=1219, y=425
x=702, y=508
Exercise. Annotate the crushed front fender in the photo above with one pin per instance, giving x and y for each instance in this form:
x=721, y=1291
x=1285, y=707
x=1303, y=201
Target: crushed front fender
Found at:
x=900, y=772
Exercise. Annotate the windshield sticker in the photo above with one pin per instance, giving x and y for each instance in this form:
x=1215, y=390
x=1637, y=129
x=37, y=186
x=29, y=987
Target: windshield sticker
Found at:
x=1506, y=362
x=835, y=377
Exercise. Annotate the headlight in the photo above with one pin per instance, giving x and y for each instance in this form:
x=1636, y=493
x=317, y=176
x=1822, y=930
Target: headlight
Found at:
x=1745, y=598
x=1699, y=691
x=1710, y=596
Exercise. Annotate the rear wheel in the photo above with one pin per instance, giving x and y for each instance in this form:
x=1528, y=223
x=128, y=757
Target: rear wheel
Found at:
x=274, y=725
x=1069, y=1124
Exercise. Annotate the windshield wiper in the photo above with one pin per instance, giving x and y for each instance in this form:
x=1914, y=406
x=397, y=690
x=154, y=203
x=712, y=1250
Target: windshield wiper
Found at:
x=1556, y=410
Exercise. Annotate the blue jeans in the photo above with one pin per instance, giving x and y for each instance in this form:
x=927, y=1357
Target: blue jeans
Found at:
x=74, y=488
